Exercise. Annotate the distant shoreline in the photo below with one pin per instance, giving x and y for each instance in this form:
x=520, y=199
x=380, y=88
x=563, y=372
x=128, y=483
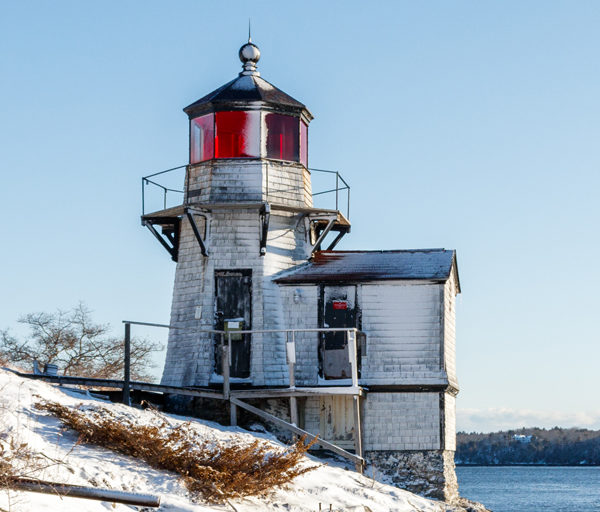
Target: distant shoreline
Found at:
x=557, y=447
x=528, y=465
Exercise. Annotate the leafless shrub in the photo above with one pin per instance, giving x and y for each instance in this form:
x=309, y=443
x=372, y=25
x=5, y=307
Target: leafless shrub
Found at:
x=77, y=345
x=210, y=470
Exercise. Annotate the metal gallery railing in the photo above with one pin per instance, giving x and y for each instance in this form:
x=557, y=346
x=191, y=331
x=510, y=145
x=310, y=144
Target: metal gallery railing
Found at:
x=340, y=186
x=161, y=190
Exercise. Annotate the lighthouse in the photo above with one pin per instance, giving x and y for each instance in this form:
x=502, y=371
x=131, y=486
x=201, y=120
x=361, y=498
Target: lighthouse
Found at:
x=357, y=347
x=247, y=215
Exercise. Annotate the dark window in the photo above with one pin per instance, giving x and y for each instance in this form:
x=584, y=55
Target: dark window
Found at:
x=282, y=137
x=237, y=134
x=202, y=132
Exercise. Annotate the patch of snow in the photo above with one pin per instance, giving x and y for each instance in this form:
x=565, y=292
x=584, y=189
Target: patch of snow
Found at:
x=94, y=466
x=218, y=379
x=264, y=84
x=333, y=382
x=257, y=427
x=243, y=83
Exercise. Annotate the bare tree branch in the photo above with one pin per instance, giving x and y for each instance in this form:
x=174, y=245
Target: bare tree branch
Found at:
x=77, y=345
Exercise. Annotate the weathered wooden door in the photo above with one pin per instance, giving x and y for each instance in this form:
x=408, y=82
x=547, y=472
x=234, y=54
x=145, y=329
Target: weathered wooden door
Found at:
x=233, y=308
x=338, y=309
x=337, y=420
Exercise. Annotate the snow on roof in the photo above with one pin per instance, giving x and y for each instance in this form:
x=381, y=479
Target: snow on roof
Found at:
x=340, y=266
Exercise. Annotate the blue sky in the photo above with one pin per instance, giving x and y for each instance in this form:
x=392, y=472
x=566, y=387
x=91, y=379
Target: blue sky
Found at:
x=465, y=125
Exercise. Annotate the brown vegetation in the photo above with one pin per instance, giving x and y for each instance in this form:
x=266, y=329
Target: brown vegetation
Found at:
x=19, y=462
x=7, y=470
x=211, y=470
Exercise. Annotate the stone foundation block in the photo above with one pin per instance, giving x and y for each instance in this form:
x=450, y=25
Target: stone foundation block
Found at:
x=430, y=473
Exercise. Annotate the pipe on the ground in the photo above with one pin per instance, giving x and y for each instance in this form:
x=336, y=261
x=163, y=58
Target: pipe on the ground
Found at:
x=90, y=493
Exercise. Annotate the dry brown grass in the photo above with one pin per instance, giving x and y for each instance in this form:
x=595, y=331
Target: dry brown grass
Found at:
x=210, y=470
x=18, y=461
x=7, y=468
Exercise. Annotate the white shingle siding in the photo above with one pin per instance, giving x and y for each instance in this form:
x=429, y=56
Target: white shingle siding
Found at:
x=401, y=421
x=250, y=180
x=391, y=421
x=312, y=415
x=287, y=183
x=225, y=181
x=403, y=325
x=300, y=312
x=450, y=290
x=449, y=422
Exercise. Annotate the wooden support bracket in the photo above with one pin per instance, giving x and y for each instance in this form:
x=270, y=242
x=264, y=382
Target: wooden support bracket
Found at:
x=335, y=241
x=201, y=242
x=330, y=222
x=358, y=447
x=359, y=461
x=225, y=364
x=172, y=247
x=265, y=217
x=232, y=414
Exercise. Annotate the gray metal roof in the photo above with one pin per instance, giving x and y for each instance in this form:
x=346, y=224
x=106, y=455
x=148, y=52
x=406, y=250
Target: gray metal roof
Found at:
x=354, y=266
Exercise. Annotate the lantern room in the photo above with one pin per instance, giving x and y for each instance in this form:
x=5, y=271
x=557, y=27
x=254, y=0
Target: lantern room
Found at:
x=248, y=118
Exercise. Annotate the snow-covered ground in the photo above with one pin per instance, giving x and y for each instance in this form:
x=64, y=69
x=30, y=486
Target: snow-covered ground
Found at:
x=94, y=466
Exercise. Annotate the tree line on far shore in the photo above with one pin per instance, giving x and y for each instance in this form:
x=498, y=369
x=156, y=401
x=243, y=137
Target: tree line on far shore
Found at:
x=555, y=446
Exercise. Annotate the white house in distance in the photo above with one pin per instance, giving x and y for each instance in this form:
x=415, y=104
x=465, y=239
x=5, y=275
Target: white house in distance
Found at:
x=254, y=254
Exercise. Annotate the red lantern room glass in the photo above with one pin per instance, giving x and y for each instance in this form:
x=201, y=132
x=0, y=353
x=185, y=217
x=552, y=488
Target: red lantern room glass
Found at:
x=237, y=134
x=282, y=137
x=248, y=134
x=202, y=133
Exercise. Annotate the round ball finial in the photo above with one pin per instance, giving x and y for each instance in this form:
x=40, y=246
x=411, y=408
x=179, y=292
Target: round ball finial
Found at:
x=249, y=52
x=249, y=55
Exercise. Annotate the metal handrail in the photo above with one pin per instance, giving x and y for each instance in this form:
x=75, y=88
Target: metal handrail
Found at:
x=248, y=331
x=337, y=189
x=352, y=334
x=341, y=185
x=147, y=181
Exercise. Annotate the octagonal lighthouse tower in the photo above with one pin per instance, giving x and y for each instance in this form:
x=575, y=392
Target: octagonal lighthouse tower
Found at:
x=247, y=214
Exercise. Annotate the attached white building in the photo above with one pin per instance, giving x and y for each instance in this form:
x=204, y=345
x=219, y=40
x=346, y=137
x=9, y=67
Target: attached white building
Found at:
x=404, y=301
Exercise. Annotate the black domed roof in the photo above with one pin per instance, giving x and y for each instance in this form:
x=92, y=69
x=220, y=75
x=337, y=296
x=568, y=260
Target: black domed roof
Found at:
x=243, y=90
x=248, y=89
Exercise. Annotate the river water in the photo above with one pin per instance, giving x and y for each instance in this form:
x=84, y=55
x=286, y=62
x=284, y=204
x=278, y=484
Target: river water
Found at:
x=532, y=488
